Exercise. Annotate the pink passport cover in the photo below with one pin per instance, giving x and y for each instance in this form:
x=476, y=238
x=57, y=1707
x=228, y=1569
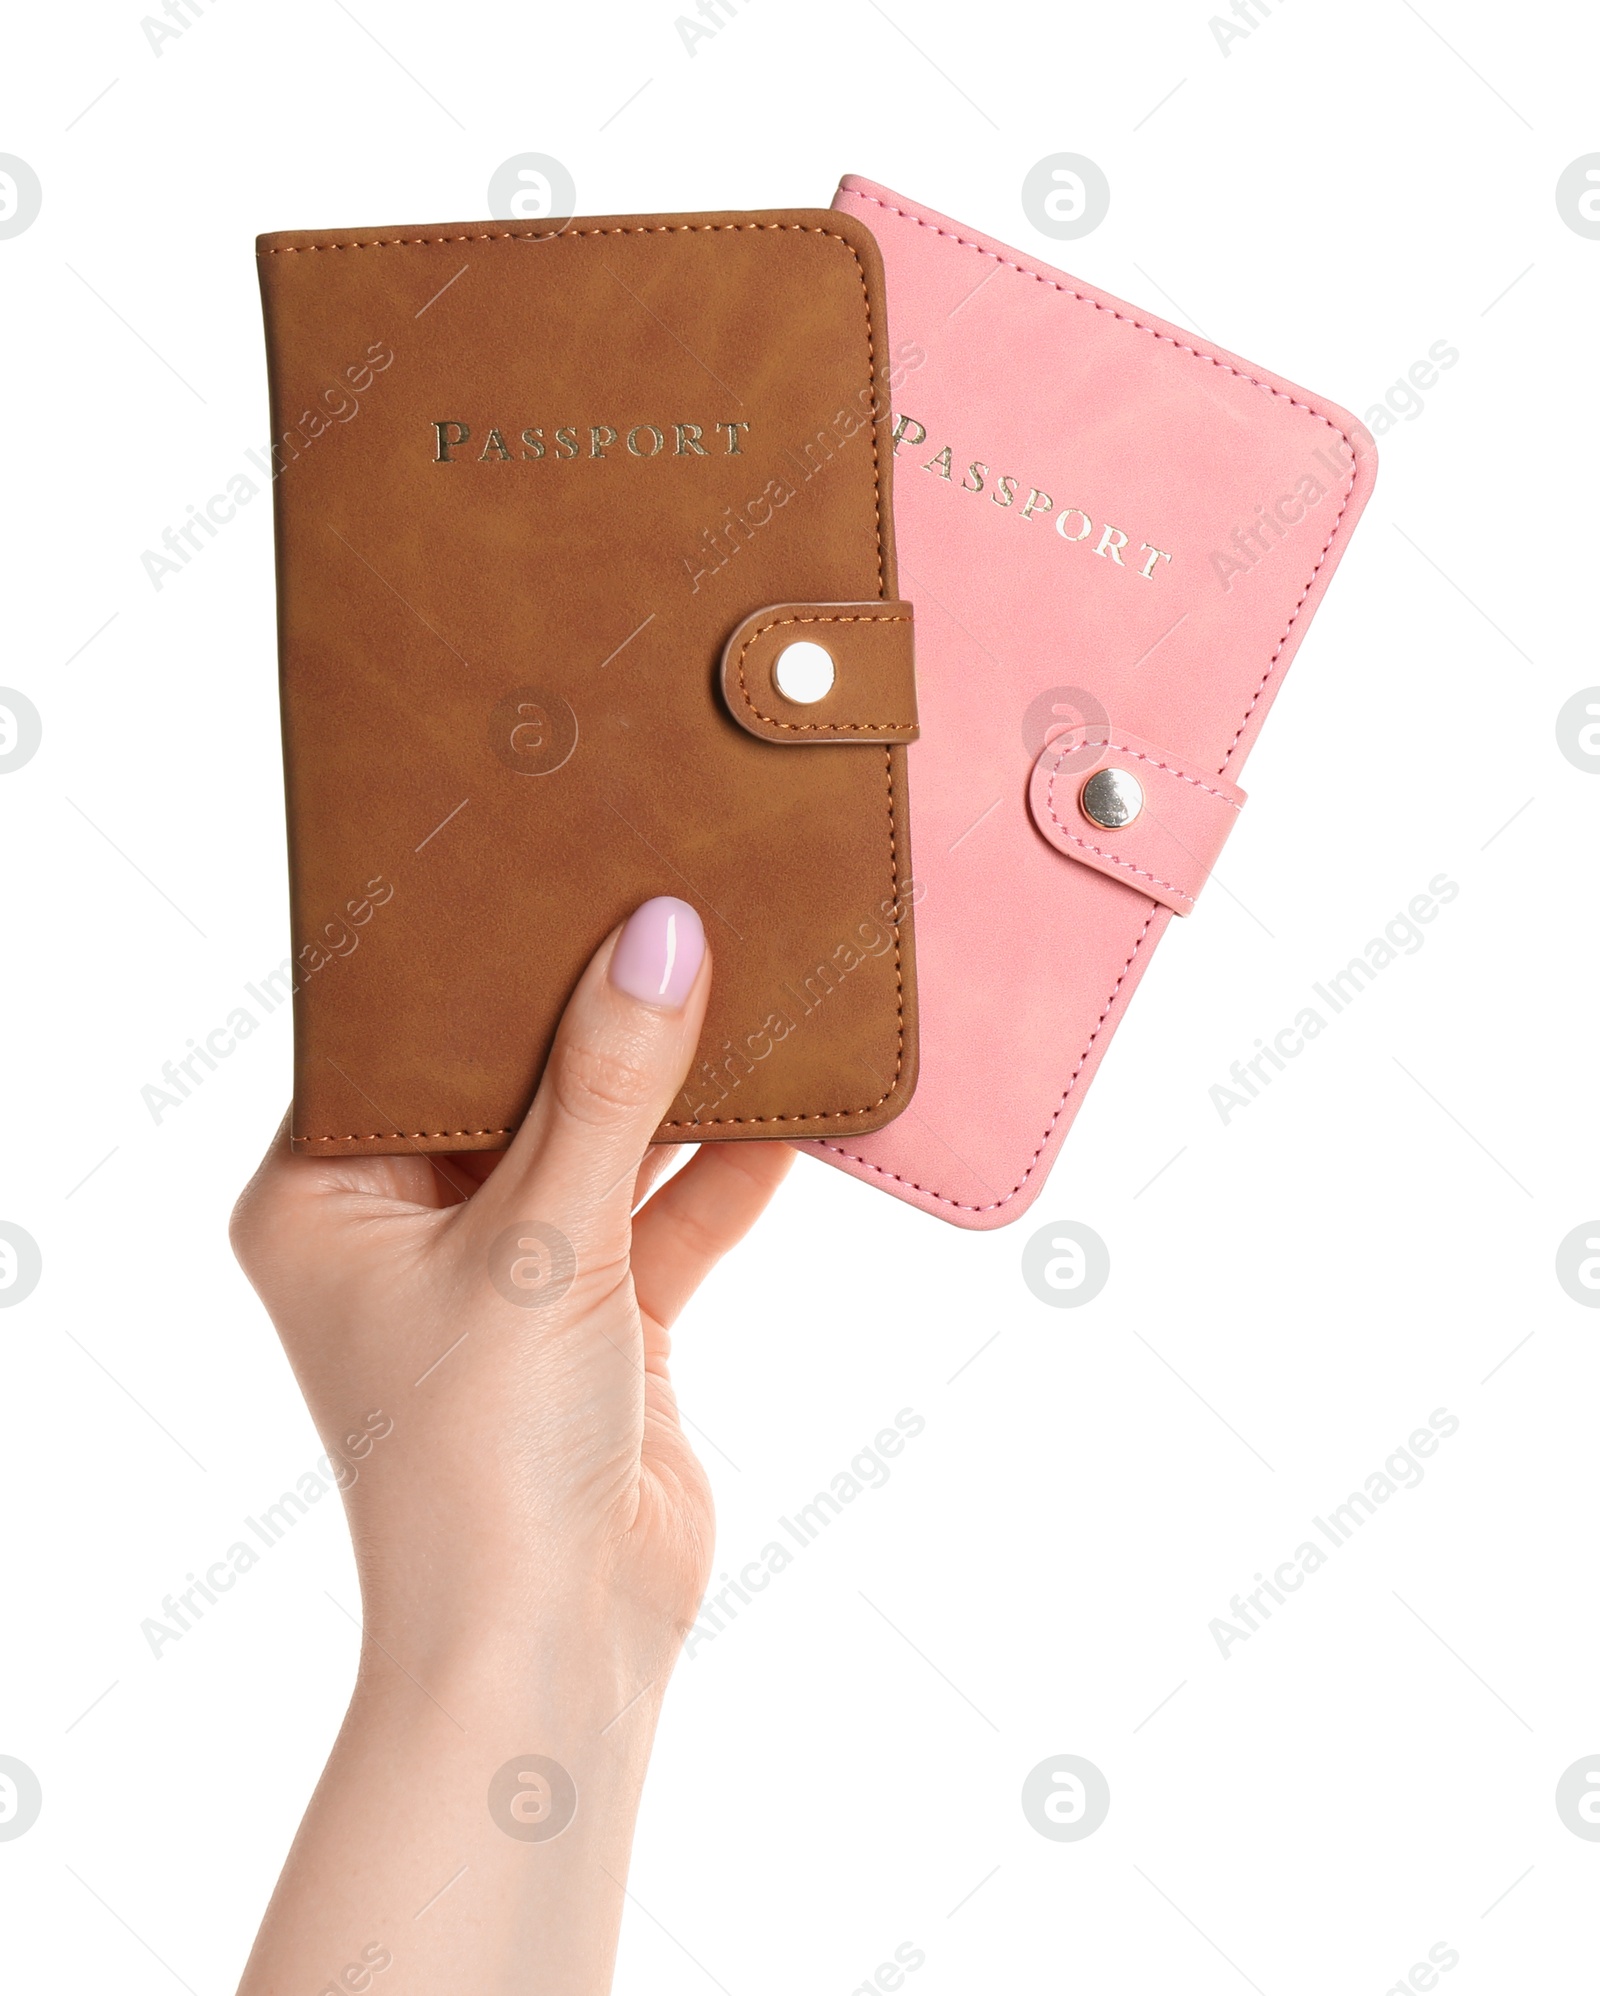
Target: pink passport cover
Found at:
x=1187, y=511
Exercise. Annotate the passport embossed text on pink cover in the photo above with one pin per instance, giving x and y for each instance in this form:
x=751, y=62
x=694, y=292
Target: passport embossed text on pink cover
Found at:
x=1115, y=534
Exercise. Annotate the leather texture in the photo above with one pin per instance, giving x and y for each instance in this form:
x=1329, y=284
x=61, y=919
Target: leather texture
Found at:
x=530, y=478
x=1107, y=524
x=873, y=697
x=1168, y=850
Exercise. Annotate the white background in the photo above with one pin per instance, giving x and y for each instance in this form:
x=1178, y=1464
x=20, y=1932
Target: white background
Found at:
x=1373, y=1772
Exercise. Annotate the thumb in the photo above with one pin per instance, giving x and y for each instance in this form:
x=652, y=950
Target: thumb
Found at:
x=620, y=1054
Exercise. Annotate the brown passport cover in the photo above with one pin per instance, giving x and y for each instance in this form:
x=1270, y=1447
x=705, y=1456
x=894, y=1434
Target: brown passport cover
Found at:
x=531, y=480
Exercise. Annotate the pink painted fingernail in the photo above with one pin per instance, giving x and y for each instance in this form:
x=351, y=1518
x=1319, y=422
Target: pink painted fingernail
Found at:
x=659, y=952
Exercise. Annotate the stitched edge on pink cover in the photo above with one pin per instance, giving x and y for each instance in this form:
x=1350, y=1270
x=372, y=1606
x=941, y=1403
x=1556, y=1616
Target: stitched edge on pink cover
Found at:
x=1214, y=360
x=963, y=1205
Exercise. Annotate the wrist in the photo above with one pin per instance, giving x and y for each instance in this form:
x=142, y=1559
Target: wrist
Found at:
x=598, y=1661
x=519, y=1786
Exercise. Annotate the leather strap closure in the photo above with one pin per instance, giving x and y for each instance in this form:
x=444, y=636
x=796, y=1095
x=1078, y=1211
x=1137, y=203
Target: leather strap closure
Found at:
x=1175, y=821
x=873, y=697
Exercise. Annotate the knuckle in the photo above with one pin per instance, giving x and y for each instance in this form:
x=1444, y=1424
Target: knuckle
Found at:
x=265, y=1215
x=244, y=1226
x=602, y=1085
x=701, y=1238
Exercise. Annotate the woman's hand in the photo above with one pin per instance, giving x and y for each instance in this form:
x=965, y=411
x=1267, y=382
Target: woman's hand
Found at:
x=483, y=1341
